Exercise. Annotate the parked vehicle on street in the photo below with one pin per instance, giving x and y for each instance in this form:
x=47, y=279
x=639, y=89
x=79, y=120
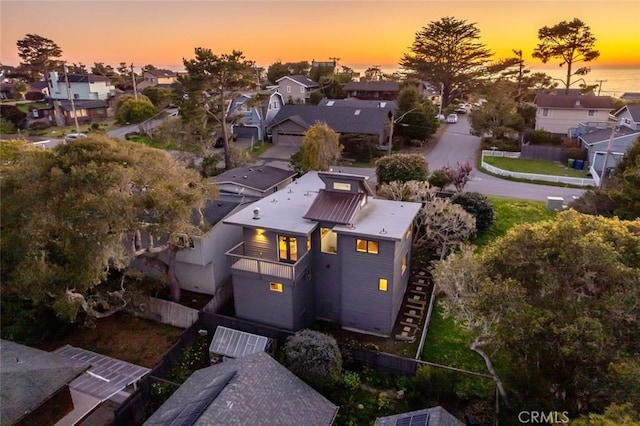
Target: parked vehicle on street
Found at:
x=73, y=136
x=452, y=118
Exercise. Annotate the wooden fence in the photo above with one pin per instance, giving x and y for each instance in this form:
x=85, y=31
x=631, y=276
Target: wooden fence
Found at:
x=549, y=153
x=171, y=313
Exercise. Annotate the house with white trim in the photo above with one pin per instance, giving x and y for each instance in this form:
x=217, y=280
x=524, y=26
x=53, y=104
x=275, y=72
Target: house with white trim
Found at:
x=296, y=89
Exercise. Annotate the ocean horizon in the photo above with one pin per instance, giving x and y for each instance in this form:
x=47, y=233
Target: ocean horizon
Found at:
x=614, y=81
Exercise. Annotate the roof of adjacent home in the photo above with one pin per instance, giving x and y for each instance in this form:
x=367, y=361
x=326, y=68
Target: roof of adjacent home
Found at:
x=82, y=78
x=250, y=390
x=215, y=210
x=372, y=86
x=603, y=135
x=435, y=416
x=634, y=111
x=286, y=209
x=30, y=376
x=630, y=96
x=358, y=103
x=162, y=73
x=82, y=104
x=574, y=101
x=300, y=79
x=342, y=119
x=259, y=178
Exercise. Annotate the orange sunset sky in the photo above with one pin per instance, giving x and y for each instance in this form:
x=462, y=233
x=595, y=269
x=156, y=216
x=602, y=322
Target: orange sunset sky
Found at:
x=361, y=33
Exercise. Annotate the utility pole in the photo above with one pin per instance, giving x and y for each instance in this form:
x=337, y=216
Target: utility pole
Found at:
x=133, y=77
x=600, y=85
x=70, y=96
x=606, y=157
x=391, y=123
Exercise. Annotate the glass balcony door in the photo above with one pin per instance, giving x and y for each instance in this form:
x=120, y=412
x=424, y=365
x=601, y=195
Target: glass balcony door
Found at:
x=287, y=249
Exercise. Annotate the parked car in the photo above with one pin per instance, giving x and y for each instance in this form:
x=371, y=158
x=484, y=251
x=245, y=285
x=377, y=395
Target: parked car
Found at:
x=73, y=136
x=452, y=118
x=440, y=117
x=461, y=110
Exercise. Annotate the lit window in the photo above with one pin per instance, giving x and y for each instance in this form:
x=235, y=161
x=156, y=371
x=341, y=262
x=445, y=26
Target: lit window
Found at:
x=366, y=246
x=275, y=287
x=382, y=284
x=342, y=186
x=287, y=249
x=308, y=243
x=404, y=264
x=328, y=241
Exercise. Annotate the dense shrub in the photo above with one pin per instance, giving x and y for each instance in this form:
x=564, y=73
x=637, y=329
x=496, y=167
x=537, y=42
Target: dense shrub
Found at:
x=505, y=144
x=34, y=96
x=314, y=357
x=576, y=153
x=13, y=115
x=478, y=206
x=6, y=126
x=594, y=202
x=39, y=125
x=402, y=168
x=363, y=148
x=130, y=110
x=440, y=178
x=539, y=137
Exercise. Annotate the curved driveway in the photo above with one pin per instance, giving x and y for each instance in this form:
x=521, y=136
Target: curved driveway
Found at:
x=457, y=145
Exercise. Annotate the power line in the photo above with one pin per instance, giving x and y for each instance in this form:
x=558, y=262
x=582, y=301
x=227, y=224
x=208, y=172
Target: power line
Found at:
x=600, y=85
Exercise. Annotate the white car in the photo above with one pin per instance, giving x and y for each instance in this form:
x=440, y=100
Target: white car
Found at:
x=452, y=118
x=73, y=136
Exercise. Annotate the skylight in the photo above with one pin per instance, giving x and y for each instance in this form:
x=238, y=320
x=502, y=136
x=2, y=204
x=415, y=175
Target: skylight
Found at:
x=357, y=112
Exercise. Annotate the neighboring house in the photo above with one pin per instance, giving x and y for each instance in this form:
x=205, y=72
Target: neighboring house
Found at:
x=291, y=123
x=435, y=416
x=82, y=86
x=560, y=114
x=157, y=77
x=296, y=88
x=254, y=112
x=375, y=90
x=630, y=96
x=86, y=111
x=323, y=248
x=7, y=91
x=597, y=138
x=34, y=384
x=253, y=181
x=251, y=390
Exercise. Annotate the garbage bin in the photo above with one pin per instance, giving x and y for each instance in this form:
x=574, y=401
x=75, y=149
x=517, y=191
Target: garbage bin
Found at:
x=570, y=163
x=579, y=164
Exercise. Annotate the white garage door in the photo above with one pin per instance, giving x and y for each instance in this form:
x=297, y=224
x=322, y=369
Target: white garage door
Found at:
x=288, y=138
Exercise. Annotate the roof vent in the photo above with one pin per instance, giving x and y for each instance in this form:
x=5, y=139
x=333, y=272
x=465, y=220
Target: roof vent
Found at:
x=274, y=201
x=256, y=213
x=244, y=177
x=290, y=191
x=383, y=231
x=250, y=169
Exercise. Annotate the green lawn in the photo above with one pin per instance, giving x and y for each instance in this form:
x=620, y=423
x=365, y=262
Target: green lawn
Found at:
x=510, y=212
x=259, y=148
x=540, y=167
x=146, y=140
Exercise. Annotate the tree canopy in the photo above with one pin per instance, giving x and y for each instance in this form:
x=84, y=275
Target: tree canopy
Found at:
x=73, y=213
x=39, y=54
x=213, y=80
x=320, y=148
x=553, y=298
x=626, y=192
x=571, y=42
x=416, y=115
x=448, y=52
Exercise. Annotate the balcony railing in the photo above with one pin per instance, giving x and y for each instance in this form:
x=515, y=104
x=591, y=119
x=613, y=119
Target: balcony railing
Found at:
x=240, y=262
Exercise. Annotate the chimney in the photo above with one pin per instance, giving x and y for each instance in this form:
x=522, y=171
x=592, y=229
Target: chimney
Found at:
x=256, y=213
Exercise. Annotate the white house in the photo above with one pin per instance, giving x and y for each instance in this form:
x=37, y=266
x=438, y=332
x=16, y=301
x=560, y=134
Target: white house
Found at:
x=561, y=114
x=82, y=86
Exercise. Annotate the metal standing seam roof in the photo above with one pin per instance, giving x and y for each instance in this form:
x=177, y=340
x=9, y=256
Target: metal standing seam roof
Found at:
x=106, y=377
x=335, y=207
x=235, y=343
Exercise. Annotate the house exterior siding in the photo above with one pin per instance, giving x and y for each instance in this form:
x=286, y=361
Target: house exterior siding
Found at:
x=561, y=121
x=326, y=275
x=363, y=305
x=101, y=90
x=400, y=278
x=254, y=301
x=626, y=119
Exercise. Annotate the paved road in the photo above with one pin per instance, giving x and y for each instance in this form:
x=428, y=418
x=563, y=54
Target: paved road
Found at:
x=457, y=145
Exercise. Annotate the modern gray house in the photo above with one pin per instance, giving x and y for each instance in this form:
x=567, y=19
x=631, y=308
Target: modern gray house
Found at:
x=253, y=112
x=323, y=248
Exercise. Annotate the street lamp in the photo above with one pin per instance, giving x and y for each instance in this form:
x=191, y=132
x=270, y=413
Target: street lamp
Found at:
x=392, y=122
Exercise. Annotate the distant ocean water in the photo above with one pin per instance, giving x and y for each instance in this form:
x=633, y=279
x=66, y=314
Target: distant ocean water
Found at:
x=616, y=80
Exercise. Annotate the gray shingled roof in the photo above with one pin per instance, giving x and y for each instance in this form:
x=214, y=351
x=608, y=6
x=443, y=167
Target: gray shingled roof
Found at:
x=260, y=178
x=372, y=86
x=301, y=79
x=342, y=119
x=162, y=73
x=262, y=392
x=215, y=210
x=29, y=376
x=634, y=111
x=82, y=104
x=435, y=416
x=81, y=78
x=573, y=101
x=602, y=135
x=358, y=103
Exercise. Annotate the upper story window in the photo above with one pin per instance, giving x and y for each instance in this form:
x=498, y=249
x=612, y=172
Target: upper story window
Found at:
x=301, y=89
x=288, y=89
x=342, y=186
x=407, y=234
x=593, y=113
x=545, y=112
x=328, y=241
x=403, y=266
x=287, y=249
x=367, y=246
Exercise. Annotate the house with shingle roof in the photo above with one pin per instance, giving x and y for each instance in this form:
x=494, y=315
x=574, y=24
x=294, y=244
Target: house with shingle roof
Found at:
x=157, y=77
x=373, y=90
x=251, y=390
x=34, y=384
x=292, y=121
x=253, y=181
x=252, y=112
x=435, y=416
x=296, y=89
x=561, y=114
x=323, y=248
x=82, y=87
x=618, y=137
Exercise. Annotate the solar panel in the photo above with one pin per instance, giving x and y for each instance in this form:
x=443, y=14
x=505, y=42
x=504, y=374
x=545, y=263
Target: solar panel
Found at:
x=417, y=420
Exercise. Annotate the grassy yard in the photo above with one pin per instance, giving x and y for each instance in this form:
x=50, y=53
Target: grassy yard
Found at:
x=540, y=167
x=259, y=148
x=146, y=140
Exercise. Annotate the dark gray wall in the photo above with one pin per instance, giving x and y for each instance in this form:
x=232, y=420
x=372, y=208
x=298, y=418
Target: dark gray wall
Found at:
x=254, y=301
x=330, y=180
x=363, y=306
x=400, y=280
x=326, y=277
x=262, y=247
